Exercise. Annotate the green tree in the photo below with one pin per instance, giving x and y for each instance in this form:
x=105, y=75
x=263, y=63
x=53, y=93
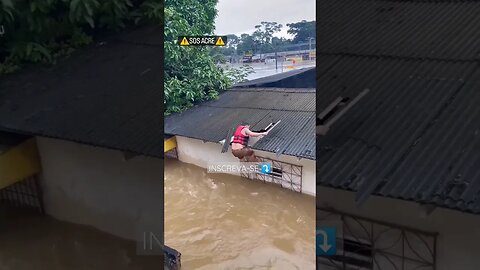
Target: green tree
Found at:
x=232, y=40
x=265, y=30
x=302, y=31
x=43, y=30
x=246, y=44
x=191, y=74
x=263, y=41
x=119, y=12
x=264, y=33
x=232, y=44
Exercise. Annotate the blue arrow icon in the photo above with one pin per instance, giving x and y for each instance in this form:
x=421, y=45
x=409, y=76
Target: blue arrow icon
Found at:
x=326, y=241
x=266, y=168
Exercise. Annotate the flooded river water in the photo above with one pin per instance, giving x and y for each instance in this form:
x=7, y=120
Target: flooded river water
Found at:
x=29, y=241
x=220, y=221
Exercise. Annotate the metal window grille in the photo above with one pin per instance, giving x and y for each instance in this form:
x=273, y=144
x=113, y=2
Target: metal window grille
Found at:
x=26, y=193
x=172, y=154
x=284, y=174
x=368, y=244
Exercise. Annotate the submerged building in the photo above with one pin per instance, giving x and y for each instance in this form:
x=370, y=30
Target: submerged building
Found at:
x=398, y=171
x=82, y=140
x=290, y=147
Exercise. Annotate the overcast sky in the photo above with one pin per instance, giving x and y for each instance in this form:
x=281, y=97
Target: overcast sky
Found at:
x=241, y=16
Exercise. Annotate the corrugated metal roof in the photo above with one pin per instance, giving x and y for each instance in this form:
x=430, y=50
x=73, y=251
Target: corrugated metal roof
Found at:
x=106, y=95
x=414, y=136
x=426, y=29
x=294, y=136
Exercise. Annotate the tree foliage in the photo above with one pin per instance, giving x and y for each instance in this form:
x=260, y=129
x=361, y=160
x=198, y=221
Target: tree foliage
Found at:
x=302, y=31
x=43, y=30
x=265, y=30
x=264, y=41
x=246, y=43
x=191, y=73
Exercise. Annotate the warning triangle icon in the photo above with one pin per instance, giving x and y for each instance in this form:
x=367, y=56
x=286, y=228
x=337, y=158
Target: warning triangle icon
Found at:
x=220, y=42
x=184, y=42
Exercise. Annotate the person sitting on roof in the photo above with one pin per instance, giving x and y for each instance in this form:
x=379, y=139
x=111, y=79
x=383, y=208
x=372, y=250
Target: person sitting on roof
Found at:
x=239, y=143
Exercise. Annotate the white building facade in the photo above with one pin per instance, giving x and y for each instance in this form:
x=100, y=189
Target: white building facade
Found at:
x=202, y=154
x=437, y=238
x=99, y=187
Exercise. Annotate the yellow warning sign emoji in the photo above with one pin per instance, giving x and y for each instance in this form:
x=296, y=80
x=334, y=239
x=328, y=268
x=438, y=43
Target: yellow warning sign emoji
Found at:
x=184, y=42
x=220, y=42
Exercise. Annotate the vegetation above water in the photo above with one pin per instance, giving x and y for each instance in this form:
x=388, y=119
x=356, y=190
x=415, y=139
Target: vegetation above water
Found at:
x=262, y=40
x=42, y=31
x=191, y=73
x=34, y=31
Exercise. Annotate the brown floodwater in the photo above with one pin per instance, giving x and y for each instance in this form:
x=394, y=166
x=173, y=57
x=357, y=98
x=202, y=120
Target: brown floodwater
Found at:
x=29, y=241
x=220, y=221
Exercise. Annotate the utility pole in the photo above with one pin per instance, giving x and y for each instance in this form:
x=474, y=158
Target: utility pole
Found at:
x=235, y=57
x=276, y=57
x=276, y=60
x=310, y=48
x=282, y=62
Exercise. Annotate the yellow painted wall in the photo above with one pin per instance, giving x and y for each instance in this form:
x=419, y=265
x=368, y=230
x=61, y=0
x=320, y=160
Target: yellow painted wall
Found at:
x=18, y=163
x=169, y=144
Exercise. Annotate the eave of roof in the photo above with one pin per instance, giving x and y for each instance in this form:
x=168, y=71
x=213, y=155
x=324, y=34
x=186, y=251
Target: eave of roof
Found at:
x=300, y=78
x=295, y=135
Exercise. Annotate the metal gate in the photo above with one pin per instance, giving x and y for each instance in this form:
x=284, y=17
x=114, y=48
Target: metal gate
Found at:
x=368, y=244
x=26, y=193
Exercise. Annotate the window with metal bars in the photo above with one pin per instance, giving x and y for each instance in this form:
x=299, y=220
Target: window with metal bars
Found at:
x=26, y=194
x=171, y=154
x=355, y=255
x=367, y=244
x=277, y=172
x=284, y=174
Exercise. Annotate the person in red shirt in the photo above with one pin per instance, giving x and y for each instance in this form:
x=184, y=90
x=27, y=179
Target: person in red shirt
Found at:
x=239, y=143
